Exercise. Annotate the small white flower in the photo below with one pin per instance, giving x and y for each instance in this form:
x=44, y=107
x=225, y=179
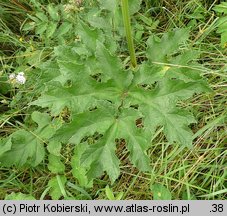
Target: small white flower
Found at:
x=12, y=76
x=20, y=74
x=20, y=78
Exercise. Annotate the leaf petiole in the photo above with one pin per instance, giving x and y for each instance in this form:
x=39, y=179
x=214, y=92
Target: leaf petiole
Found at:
x=128, y=31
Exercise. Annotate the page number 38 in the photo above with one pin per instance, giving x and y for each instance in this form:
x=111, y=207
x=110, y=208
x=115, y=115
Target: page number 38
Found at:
x=217, y=208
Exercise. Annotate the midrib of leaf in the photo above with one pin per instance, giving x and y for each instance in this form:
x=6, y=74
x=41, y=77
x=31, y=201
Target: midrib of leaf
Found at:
x=128, y=31
x=176, y=91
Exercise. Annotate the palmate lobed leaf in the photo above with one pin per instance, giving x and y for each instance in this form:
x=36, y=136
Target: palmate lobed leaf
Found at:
x=159, y=49
x=171, y=58
x=86, y=123
x=27, y=147
x=136, y=140
x=112, y=104
x=101, y=156
x=159, y=108
x=57, y=97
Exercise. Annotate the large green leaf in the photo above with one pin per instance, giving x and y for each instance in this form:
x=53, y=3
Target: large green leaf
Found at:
x=136, y=140
x=101, y=156
x=158, y=107
x=89, y=36
x=57, y=97
x=86, y=123
x=160, y=49
x=106, y=99
x=168, y=59
x=27, y=147
x=84, y=91
x=111, y=67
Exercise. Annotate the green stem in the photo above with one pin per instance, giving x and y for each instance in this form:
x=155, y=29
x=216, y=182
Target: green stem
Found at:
x=128, y=31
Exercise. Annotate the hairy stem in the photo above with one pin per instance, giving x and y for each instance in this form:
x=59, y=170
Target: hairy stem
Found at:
x=128, y=31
